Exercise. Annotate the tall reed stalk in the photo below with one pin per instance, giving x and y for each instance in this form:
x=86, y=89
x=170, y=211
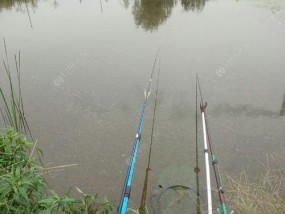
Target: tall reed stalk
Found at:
x=11, y=101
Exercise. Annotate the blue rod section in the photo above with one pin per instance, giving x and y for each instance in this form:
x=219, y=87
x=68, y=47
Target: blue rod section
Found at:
x=122, y=209
x=123, y=206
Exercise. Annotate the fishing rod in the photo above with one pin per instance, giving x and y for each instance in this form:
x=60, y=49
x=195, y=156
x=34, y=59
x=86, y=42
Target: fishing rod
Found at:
x=207, y=138
x=282, y=111
x=122, y=209
x=142, y=208
x=208, y=178
x=197, y=169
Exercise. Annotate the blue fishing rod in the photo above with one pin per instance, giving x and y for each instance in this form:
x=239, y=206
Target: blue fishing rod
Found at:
x=123, y=206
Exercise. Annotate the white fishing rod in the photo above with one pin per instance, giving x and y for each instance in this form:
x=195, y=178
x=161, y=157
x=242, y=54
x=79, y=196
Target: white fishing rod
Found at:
x=208, y=142
x=206, y=152
x=208, y=179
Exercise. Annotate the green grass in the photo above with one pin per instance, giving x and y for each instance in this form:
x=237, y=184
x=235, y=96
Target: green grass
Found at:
x=24, y=190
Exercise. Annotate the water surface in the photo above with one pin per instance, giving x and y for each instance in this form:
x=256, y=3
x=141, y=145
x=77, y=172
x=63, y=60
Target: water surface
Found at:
x=86, y=63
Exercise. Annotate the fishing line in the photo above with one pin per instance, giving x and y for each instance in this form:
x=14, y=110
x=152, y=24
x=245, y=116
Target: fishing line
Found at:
x=122, y=209
x=142, y=208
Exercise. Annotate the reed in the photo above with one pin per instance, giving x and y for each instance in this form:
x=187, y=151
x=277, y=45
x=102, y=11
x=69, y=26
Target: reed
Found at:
x=11, y=102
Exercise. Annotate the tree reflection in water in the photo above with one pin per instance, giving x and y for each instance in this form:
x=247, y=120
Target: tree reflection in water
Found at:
x=149, y=14
x=18, y=4
x=194, y=5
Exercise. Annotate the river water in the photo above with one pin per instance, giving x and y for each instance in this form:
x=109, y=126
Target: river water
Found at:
x=85, y=65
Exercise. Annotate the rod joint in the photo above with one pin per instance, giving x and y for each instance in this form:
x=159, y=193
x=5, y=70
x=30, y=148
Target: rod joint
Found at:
x=138, y=136
x=128, y=192
x=221, y=190
x=203, y=106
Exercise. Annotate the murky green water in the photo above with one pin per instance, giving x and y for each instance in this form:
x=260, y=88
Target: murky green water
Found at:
x=85, y=66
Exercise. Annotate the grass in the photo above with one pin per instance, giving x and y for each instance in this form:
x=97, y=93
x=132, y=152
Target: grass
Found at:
x=24, y=190
x=265, y=195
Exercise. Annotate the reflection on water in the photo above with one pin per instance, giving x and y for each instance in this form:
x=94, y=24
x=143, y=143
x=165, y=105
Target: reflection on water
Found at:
x=194, y=5
x=246, y=110
x=20, y=5
x=55, y=4
x=149, y=14
x=126, y=3
x=282, y=111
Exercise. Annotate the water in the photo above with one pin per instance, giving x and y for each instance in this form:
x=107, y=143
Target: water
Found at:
x=85, y=66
